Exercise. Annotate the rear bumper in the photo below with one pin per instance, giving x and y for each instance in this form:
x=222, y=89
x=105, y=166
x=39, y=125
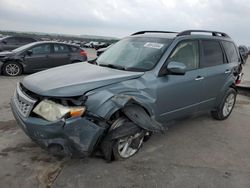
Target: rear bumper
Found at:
x=75, y=136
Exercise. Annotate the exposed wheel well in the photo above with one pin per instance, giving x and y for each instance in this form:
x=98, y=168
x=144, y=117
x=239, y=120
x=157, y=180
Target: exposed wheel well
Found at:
x=120, y=113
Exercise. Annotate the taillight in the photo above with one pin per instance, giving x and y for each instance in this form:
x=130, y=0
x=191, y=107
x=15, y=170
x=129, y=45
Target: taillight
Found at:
x=237, y=82
x=83, y=53
x=239, y=78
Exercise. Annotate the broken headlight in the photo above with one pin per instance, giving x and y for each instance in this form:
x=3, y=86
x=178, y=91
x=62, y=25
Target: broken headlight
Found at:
x=52, y=111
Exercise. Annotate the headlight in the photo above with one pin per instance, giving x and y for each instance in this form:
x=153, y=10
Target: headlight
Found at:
x=52, y=111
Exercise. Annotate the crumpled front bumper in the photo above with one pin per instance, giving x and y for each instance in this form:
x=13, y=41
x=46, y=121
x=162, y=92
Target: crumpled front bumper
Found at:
x=74, y=135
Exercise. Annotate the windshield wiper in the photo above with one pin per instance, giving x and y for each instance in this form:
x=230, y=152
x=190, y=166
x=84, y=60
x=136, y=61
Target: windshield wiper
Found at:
x=112, y=66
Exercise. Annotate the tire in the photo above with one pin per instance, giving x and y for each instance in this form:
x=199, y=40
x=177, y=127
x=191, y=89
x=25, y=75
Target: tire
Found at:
x=128, y=146
x=134, y=141
x=12, y=69
x=225, y=108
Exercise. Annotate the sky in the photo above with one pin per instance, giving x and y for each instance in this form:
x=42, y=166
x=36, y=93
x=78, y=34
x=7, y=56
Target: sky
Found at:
x=120, y=18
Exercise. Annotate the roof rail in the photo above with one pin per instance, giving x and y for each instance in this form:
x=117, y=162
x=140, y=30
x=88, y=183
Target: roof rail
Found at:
x=142, y=32
x=214, y=33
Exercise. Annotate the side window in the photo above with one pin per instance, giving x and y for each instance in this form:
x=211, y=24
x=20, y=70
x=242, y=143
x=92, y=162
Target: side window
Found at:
x=59, y=48
x=27, y=40
x=186, y=52
x=41, y=49
x=212, y=54
x=11, y=40
x=231, y=51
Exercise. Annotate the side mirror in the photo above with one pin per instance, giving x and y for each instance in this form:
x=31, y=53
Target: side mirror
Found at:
x=29, y=52
x=176, y=68
x=4, y=42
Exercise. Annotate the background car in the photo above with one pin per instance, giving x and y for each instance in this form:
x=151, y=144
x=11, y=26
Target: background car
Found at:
x=39, y=56
x=101, y=45
x=12, y=42
x=243, y=52
x=101, y=50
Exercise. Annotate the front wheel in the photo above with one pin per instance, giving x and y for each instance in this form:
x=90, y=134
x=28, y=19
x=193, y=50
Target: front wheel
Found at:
x=226, y=106
x=128, y=146
x=12, y=69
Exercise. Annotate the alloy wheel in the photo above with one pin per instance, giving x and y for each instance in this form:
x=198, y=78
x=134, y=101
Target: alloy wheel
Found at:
x=228, y=105
x=12, y=69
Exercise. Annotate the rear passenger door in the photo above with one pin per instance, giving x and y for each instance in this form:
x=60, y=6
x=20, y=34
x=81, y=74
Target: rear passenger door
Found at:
x=60, y=55
x=214, y=70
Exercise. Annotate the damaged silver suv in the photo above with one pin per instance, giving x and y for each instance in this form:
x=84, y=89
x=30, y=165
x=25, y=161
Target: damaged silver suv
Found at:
x=133, y=89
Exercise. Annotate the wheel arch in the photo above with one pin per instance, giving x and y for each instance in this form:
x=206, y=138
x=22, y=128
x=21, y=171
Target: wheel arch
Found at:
x=229, y=84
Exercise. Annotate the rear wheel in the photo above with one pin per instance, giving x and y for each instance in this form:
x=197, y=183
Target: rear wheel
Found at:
x=12, y=69
x=226, y=106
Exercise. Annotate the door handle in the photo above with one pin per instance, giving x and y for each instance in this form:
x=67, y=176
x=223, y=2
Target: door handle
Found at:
x=227, y=71
x=199, y=78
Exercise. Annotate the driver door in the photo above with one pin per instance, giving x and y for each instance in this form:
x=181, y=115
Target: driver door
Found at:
x=39, y=58
x=179, y=95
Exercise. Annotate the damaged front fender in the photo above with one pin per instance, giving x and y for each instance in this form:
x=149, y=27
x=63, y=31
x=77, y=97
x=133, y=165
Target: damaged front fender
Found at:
x=135, y=107
x=138, y=115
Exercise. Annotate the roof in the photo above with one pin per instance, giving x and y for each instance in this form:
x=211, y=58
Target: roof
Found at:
x=156, y=35
x=53, y=42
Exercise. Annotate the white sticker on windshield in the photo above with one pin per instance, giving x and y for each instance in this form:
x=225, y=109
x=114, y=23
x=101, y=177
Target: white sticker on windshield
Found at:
x=153, y=45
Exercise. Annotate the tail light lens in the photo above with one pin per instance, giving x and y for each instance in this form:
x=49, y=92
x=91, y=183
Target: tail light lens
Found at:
x=238, y=82
x=239, y=78
x=83, y=53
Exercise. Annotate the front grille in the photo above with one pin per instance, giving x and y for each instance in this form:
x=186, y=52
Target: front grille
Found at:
x=23, y=102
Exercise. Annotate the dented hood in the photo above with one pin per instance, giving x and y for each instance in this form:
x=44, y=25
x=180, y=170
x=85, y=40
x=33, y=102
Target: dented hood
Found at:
x=75, y=79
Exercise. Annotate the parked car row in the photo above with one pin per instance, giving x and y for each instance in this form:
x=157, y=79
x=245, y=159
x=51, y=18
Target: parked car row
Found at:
x=95, y=45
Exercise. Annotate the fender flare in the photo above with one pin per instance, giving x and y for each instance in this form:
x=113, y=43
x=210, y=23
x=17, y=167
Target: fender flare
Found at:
x=229, y=84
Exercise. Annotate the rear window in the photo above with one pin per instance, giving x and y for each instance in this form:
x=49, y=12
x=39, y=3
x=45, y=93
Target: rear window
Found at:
x=74, y=49
x=212, y=54
x=27, y=40
x=231, y=51
x=11, y=40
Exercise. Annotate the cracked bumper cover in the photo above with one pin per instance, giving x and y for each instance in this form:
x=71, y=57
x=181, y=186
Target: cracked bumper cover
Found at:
x=75, y=135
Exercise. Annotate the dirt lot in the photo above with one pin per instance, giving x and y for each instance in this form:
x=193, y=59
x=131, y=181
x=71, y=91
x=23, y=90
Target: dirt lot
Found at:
x=197, y=152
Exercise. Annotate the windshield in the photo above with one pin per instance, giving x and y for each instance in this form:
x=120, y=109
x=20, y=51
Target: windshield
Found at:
x=138, y=54
x=23, y=47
